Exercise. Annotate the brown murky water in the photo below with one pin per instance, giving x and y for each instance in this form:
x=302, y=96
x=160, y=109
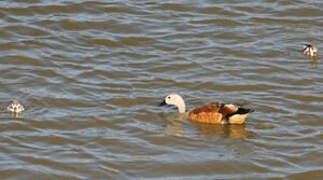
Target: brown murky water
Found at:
x=91, y=74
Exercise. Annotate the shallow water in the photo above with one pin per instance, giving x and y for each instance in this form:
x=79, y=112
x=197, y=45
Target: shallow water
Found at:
x=91, y=74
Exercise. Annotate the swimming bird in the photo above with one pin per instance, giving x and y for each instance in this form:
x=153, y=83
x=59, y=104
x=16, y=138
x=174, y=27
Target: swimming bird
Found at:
x=310, y=50
x=15, y=106
x=212, y=112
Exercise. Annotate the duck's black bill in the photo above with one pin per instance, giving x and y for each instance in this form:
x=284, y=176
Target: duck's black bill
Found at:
x=162, y=103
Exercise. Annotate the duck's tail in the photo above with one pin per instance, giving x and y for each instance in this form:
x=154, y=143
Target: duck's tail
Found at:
x=239, y=116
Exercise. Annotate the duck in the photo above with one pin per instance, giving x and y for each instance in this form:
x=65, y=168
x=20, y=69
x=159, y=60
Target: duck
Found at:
x=310, y=50
x=15, y=107
x=210, y=113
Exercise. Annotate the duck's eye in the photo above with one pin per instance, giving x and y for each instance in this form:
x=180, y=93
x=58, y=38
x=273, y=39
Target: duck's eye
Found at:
x=168, y=97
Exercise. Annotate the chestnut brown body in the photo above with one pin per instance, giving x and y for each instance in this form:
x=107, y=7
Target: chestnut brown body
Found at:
x=219, y=113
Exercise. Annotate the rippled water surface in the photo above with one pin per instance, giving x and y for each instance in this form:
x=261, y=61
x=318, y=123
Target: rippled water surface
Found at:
x=91, y=74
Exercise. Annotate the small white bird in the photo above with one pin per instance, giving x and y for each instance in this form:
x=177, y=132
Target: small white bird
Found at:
x=310, y=50
x=15, y=106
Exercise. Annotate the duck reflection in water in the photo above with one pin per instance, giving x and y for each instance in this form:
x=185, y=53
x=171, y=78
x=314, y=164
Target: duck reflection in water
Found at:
x=228, y=130
x=175, y=127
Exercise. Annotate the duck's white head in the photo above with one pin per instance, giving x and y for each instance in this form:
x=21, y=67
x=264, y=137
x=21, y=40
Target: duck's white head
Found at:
x=15, y=106
x=176, y=100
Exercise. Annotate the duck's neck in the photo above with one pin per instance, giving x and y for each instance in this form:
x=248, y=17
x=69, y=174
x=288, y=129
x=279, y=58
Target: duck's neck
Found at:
x=181, y=106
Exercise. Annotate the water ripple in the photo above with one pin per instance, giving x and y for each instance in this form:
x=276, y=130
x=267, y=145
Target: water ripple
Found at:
x=91, y=75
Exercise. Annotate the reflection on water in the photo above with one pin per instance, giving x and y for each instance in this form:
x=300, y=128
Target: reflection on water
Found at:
x=231, y=131
x=17, y=116
x=175, y=127
x=313, y=60
x=90, y=72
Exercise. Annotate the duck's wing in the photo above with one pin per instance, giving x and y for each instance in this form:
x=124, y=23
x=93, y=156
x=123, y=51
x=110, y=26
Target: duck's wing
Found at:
x=208, y=113
x=229, y=109
x=219, y=113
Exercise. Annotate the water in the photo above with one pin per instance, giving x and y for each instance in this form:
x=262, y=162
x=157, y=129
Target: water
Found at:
x=91, y=74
